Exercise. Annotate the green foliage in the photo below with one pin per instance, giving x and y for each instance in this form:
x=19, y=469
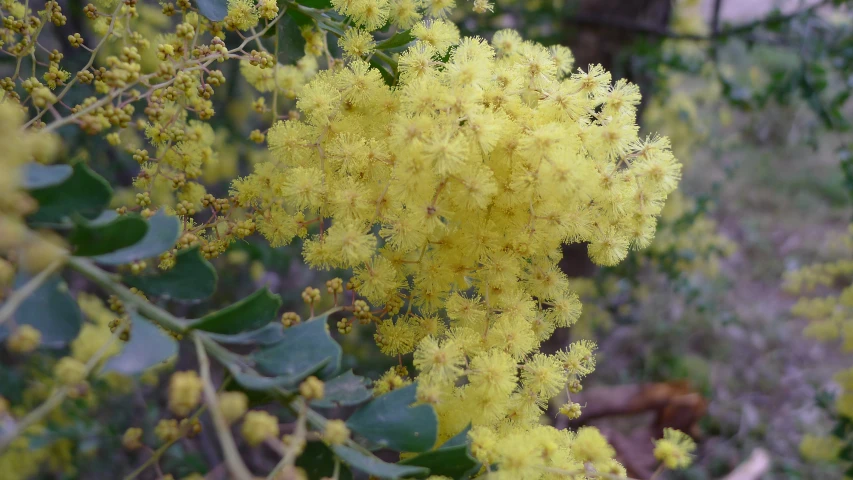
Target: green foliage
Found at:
x=192, y=278
x=149, y=346
x=289, y=358
x=318, y=461
x=347, y=389
x=392, y=422
x=452, y=459
x=50, y=309
x=373, y=466
x=84, y=193
x=106, y=233
x=250, y=313
x=161, y=235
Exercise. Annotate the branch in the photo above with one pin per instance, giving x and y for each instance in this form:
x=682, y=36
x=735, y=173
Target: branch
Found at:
x=146, y=308
x=229, y=448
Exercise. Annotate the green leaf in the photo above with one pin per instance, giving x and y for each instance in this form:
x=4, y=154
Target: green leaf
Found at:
x=373, y=466
x=344, y=390
x=250, y=313
x=319, y=462
x=451, y=459
x=148, y=347
x=192, y=278
x=51, y=310
x=391, y=422
x=163, y=232
x=318, y=4
x=94, y=237
x=37, y=175
x=453, y=462
x=301, y=19
x=251, y=381
x=291, y=43
x=399, y=39
x=84, y=192
x=290, y=357
x=214, y=10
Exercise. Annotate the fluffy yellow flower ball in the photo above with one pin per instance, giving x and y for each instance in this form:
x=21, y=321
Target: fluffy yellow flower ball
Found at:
x=259, y=426
x=336, y=432
x=69, y=371
x=184, y=392
x=24, y=339
x=233, y=405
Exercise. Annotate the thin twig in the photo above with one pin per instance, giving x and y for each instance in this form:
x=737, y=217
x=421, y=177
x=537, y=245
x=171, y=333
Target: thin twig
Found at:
x=295, y=447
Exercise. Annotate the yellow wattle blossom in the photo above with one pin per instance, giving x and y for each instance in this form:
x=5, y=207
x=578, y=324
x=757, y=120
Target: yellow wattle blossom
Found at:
x=184, y=392
x=468, y=176
x=24, y=339
x=336, y=432
x=259, y=426
x=674, y=449
x=232, y=405
x=69, y=371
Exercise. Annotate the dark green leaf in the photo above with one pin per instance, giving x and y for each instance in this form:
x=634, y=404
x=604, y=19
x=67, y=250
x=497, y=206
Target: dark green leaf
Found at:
x=399, y=39
x=390, y=421
x=192, y=278
x=51, y=310
x=373, y=466
x=289, y=356
x=301, y=19
x=250, y=313
x=319, y=462
x=148, y=347
x=214, y=10
x=37, y=175
x=93, y=237
x=344, y=390
x=453, y=462
x=163, y=232
x=318, y=4
x=291, y=43
x=84, y=192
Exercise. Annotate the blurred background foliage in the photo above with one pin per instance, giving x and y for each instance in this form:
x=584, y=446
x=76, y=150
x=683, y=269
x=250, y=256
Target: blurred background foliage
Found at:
x=754, y=95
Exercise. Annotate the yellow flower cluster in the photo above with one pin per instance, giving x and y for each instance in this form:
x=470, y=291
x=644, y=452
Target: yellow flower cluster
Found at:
x=454, y=190
x=829, y=319
x=829, y=316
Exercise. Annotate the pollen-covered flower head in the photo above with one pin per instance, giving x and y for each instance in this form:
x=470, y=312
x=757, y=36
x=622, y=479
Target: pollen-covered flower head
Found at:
x=450, y=193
